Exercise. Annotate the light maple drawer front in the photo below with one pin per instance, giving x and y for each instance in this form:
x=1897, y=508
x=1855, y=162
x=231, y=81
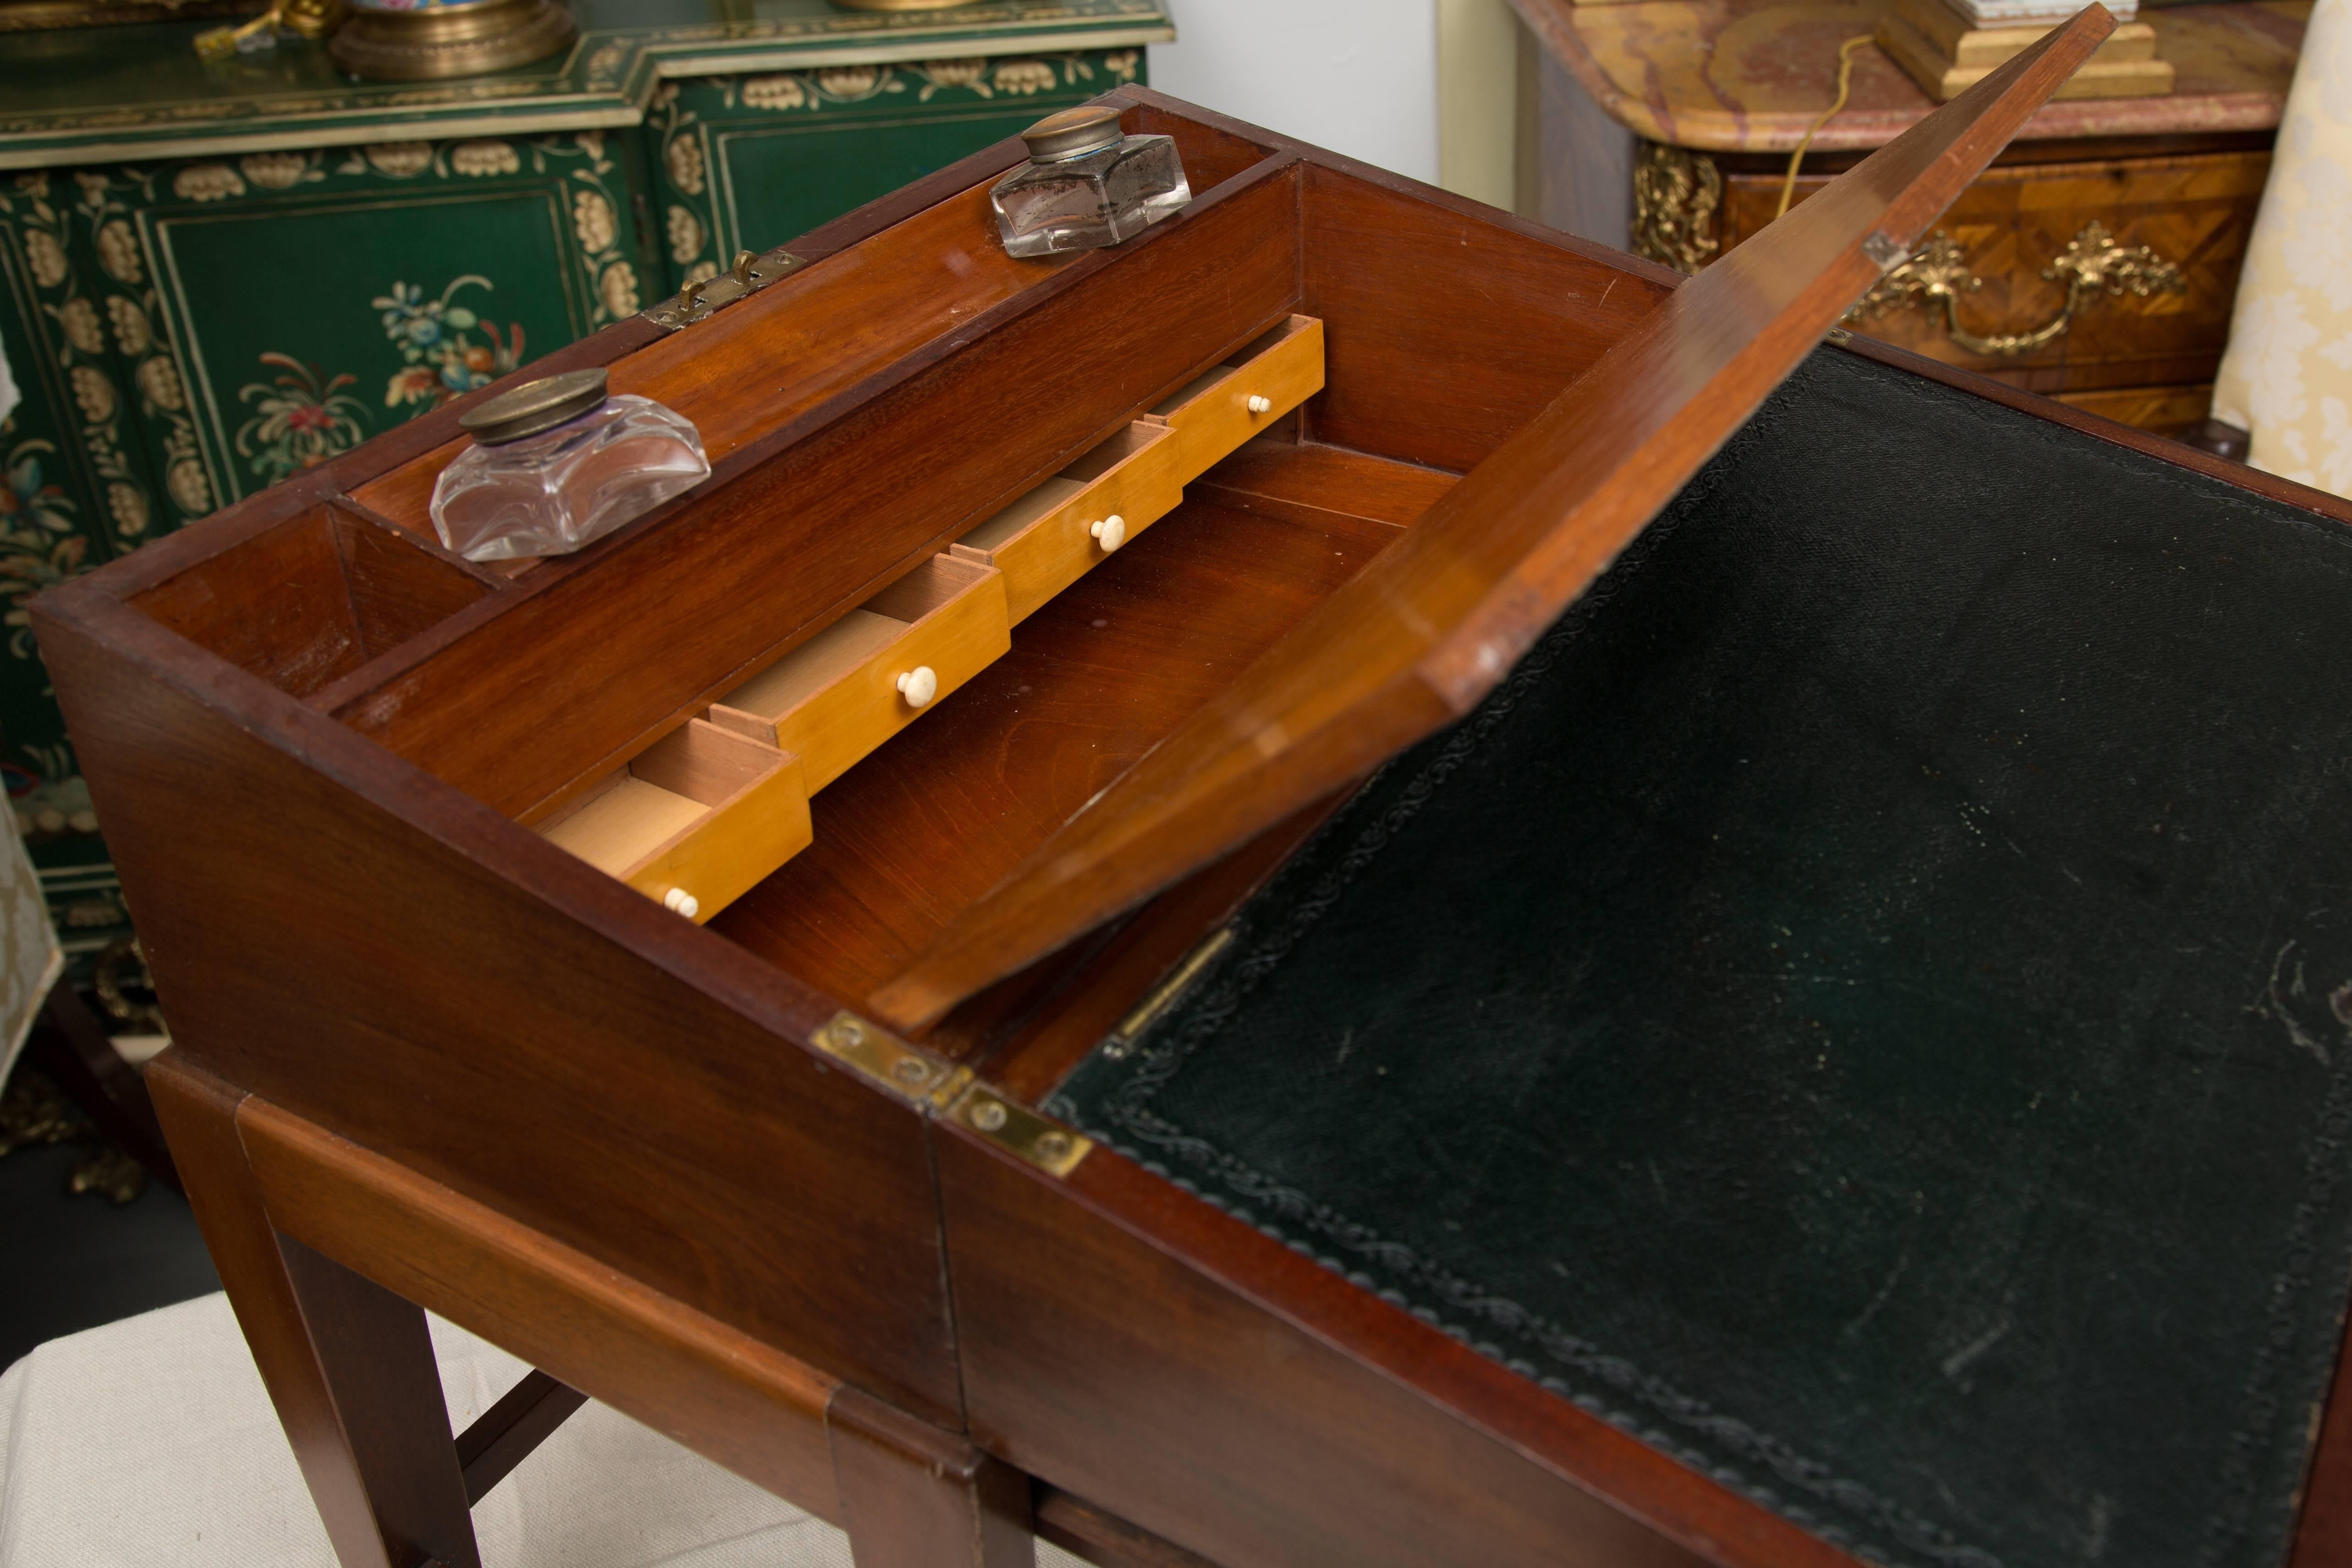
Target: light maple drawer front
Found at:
x=1217, y=412
x=878, y=669
x=695, y=822
x=1053, y=536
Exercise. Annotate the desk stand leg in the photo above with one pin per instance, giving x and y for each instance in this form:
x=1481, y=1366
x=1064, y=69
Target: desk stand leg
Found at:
x=348, y=1363
x=915, y=1497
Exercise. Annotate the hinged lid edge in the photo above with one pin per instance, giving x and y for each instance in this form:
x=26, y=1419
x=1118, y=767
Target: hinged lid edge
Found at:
x=1428, y=628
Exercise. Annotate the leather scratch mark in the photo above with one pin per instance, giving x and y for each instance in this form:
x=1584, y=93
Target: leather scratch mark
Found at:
x=1958, y=1361
x=1887, y=1288
x=2273, y=1005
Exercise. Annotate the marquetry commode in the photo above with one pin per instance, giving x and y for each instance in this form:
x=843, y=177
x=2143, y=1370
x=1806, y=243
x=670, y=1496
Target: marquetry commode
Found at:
x=1354, y=883
x=1666, y=127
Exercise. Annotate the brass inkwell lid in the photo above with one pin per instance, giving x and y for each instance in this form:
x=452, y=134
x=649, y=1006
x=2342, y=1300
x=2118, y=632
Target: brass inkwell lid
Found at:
x=1073, y=133
x=534, y=407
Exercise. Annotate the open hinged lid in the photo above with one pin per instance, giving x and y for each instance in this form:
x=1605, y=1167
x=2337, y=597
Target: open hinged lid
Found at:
x=1423, y=633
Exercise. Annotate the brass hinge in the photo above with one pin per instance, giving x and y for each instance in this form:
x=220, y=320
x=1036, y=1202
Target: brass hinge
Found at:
x=1163, y=996
x=698, y=300
x=910, y=1073
x=1043, y=1142
x=920, y=1077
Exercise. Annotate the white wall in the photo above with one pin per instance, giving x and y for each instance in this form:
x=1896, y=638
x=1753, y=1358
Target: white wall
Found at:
x=1478, y=99
x=1359, y=77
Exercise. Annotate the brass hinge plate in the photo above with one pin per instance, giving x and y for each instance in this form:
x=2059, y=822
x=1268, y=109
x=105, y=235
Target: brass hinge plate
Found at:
x=1044, y=1143
x=874, y=1053
x=697, y=301
x=920, y=1077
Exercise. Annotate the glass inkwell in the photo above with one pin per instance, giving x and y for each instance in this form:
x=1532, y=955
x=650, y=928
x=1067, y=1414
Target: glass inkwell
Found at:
x=1088, y=184
x=556, y=464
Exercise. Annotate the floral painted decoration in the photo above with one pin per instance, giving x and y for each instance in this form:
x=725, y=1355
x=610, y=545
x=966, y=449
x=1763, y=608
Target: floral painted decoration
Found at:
x=38, y=545
x=444, y=361
x=299, y=419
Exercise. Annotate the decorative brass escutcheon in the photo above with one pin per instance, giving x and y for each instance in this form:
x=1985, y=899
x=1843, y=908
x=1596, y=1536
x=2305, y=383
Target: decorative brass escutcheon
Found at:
x=2093, y=263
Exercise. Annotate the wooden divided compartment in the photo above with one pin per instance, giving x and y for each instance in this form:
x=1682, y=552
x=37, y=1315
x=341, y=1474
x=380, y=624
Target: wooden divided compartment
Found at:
x=694, y=821
x=702, y=816
x=1050, y=538
x=1228, y=404
x=873, y=672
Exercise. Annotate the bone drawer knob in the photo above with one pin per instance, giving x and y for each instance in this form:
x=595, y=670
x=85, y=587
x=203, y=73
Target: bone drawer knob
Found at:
x=1111, y=531
x=1260, y=404
x=919, y=685
x=682, y=901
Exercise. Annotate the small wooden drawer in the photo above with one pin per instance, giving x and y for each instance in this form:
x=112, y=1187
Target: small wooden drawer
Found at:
x=695, y=822
x=1214, y=413
x=1049, y=538
x=878, y=669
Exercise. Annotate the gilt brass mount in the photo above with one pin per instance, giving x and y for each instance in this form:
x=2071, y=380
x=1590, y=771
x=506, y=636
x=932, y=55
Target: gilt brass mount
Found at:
x=1677, y=197
x=1936, y=275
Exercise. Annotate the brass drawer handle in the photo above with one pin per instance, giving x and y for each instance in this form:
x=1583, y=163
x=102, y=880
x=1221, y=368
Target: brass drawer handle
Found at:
x=2093, y=263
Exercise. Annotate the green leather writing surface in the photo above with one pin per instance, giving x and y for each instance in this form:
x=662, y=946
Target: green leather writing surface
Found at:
x=1867, y=1005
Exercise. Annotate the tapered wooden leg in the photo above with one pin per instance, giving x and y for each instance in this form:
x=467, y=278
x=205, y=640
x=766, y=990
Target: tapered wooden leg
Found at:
x=915, y=1497
x=348, y=1364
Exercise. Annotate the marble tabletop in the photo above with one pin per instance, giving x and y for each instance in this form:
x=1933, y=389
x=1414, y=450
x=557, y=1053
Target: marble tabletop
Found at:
x=1751, y=75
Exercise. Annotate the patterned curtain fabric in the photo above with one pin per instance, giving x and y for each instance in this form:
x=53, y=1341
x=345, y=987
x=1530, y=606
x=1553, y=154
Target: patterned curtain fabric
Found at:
x=2287, y=376
x=29, y=959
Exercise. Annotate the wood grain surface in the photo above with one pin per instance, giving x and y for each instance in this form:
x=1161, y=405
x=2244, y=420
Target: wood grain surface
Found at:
x=1425, y=370
x=1126, y=1342
x=505, y=1435
x=375, y=1451
x=1418, y=638
x=381, y=954
x=854, y=309
x=1095, y=677
x=915, y=1497
x=732, y=1398
x=516, y=706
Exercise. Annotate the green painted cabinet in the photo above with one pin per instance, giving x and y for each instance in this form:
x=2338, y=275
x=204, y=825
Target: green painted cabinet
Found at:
x=211, y=278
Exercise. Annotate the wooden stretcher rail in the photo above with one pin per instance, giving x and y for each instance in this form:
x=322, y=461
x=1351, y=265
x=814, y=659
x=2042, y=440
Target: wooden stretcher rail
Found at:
x=737, y=1401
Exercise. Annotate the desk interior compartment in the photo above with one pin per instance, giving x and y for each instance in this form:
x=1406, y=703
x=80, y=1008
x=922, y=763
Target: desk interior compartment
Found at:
x=1058, y=532
x=1215, y=412
x=305, y=602
x=878, y=669
x=694, y=821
